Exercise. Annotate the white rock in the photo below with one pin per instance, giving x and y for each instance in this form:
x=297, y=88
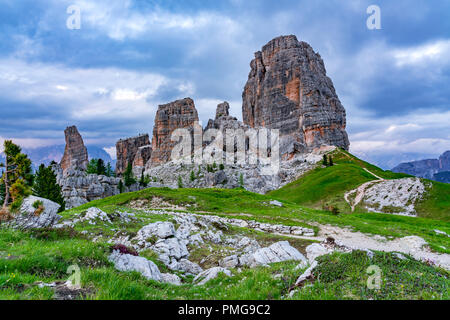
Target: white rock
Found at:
x=276, y=203
x=315, y=250
x=277, y=252
x=93, y=214
x=185, y=266
x=161, y=230
x=307, y=273
x=128, y=262
x=28, y=220
x=209, y=274
x=171, y=278
x=170, y=248
x=229, y=262
x=441, y=232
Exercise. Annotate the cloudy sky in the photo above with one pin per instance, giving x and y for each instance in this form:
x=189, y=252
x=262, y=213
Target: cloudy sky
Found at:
x=109, y=76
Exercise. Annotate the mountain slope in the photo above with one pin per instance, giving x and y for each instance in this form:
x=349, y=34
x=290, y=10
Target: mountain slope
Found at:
x=372, y=188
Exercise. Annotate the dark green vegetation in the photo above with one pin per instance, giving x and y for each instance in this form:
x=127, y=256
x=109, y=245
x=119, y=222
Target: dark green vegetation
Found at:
x=45, y=186
x=16, y=177
x=97, y=166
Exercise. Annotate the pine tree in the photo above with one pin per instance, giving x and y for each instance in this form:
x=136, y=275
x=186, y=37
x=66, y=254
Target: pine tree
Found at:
x=128, y=176
x=109, y=170
x=101, y=169
x=241, y=181
x=92, y=167
x=192, y=175
x=45, y=186
x=120, y=186
x=330, y=162
x=17, y=176
x=325, y=160
x=180, y=182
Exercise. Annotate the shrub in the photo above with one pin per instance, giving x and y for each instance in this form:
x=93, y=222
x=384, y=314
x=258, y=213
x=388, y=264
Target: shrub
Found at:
x=180, y=182
x=37, y=204
x=221, y=166
x=124, y=249
x=325, y=160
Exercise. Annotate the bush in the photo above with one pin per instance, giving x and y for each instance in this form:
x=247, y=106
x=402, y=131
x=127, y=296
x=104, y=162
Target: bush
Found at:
x=124, y=249
x=221, y=166
x=37, y=204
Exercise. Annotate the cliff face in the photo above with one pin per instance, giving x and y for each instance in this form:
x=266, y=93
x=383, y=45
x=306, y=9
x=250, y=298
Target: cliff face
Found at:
x=171, y=116
x=288, y=89
x=74, y=150
x=136, y=150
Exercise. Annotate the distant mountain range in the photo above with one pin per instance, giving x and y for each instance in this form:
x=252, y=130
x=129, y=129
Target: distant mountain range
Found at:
x=55, y=153
x=433, y=169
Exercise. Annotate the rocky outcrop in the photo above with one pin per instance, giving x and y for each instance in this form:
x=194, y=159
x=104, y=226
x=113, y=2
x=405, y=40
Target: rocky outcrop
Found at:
x=288, y=89
x=428, y=169
x=75, y=150
x=135, y=150
x=37, y=212
x=78, y=187
x=171, y=116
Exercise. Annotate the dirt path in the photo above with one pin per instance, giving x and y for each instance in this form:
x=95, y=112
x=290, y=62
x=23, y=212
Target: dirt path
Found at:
x=361, y=191
x=412, y=245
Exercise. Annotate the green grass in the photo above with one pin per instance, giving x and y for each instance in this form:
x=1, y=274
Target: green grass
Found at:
x=436, y=202
x=323, y=185
x=245, y=205
x=326, y=187
x=345, y=276
x=45, y=256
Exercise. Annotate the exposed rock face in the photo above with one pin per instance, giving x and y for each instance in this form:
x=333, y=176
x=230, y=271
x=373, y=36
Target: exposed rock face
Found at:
x=136, y=150
x=288, y=89
x=171, y=116
x=78, y=187
x=75, y=149
x=428, y=169
x=29, y=220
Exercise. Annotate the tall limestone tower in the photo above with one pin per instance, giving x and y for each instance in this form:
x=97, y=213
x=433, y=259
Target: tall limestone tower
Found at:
x=288, y=89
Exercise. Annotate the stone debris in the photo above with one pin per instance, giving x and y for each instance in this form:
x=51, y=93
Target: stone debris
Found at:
x=210, y=274
x=277, y=252
x=128, y=262
x=94, y=214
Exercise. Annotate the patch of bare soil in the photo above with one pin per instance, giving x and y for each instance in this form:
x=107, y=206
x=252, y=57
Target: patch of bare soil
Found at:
x=154, y=203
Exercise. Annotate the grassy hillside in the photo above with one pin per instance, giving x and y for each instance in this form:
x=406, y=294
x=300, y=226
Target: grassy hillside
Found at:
x=326, y=186
x=27, y=258
x=242, y=204
x=436, y=202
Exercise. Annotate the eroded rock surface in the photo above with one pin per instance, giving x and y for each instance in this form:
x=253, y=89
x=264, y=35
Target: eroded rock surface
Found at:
x=288, y=89
x=135, y=150
x=169, y=117
x=75, y=150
